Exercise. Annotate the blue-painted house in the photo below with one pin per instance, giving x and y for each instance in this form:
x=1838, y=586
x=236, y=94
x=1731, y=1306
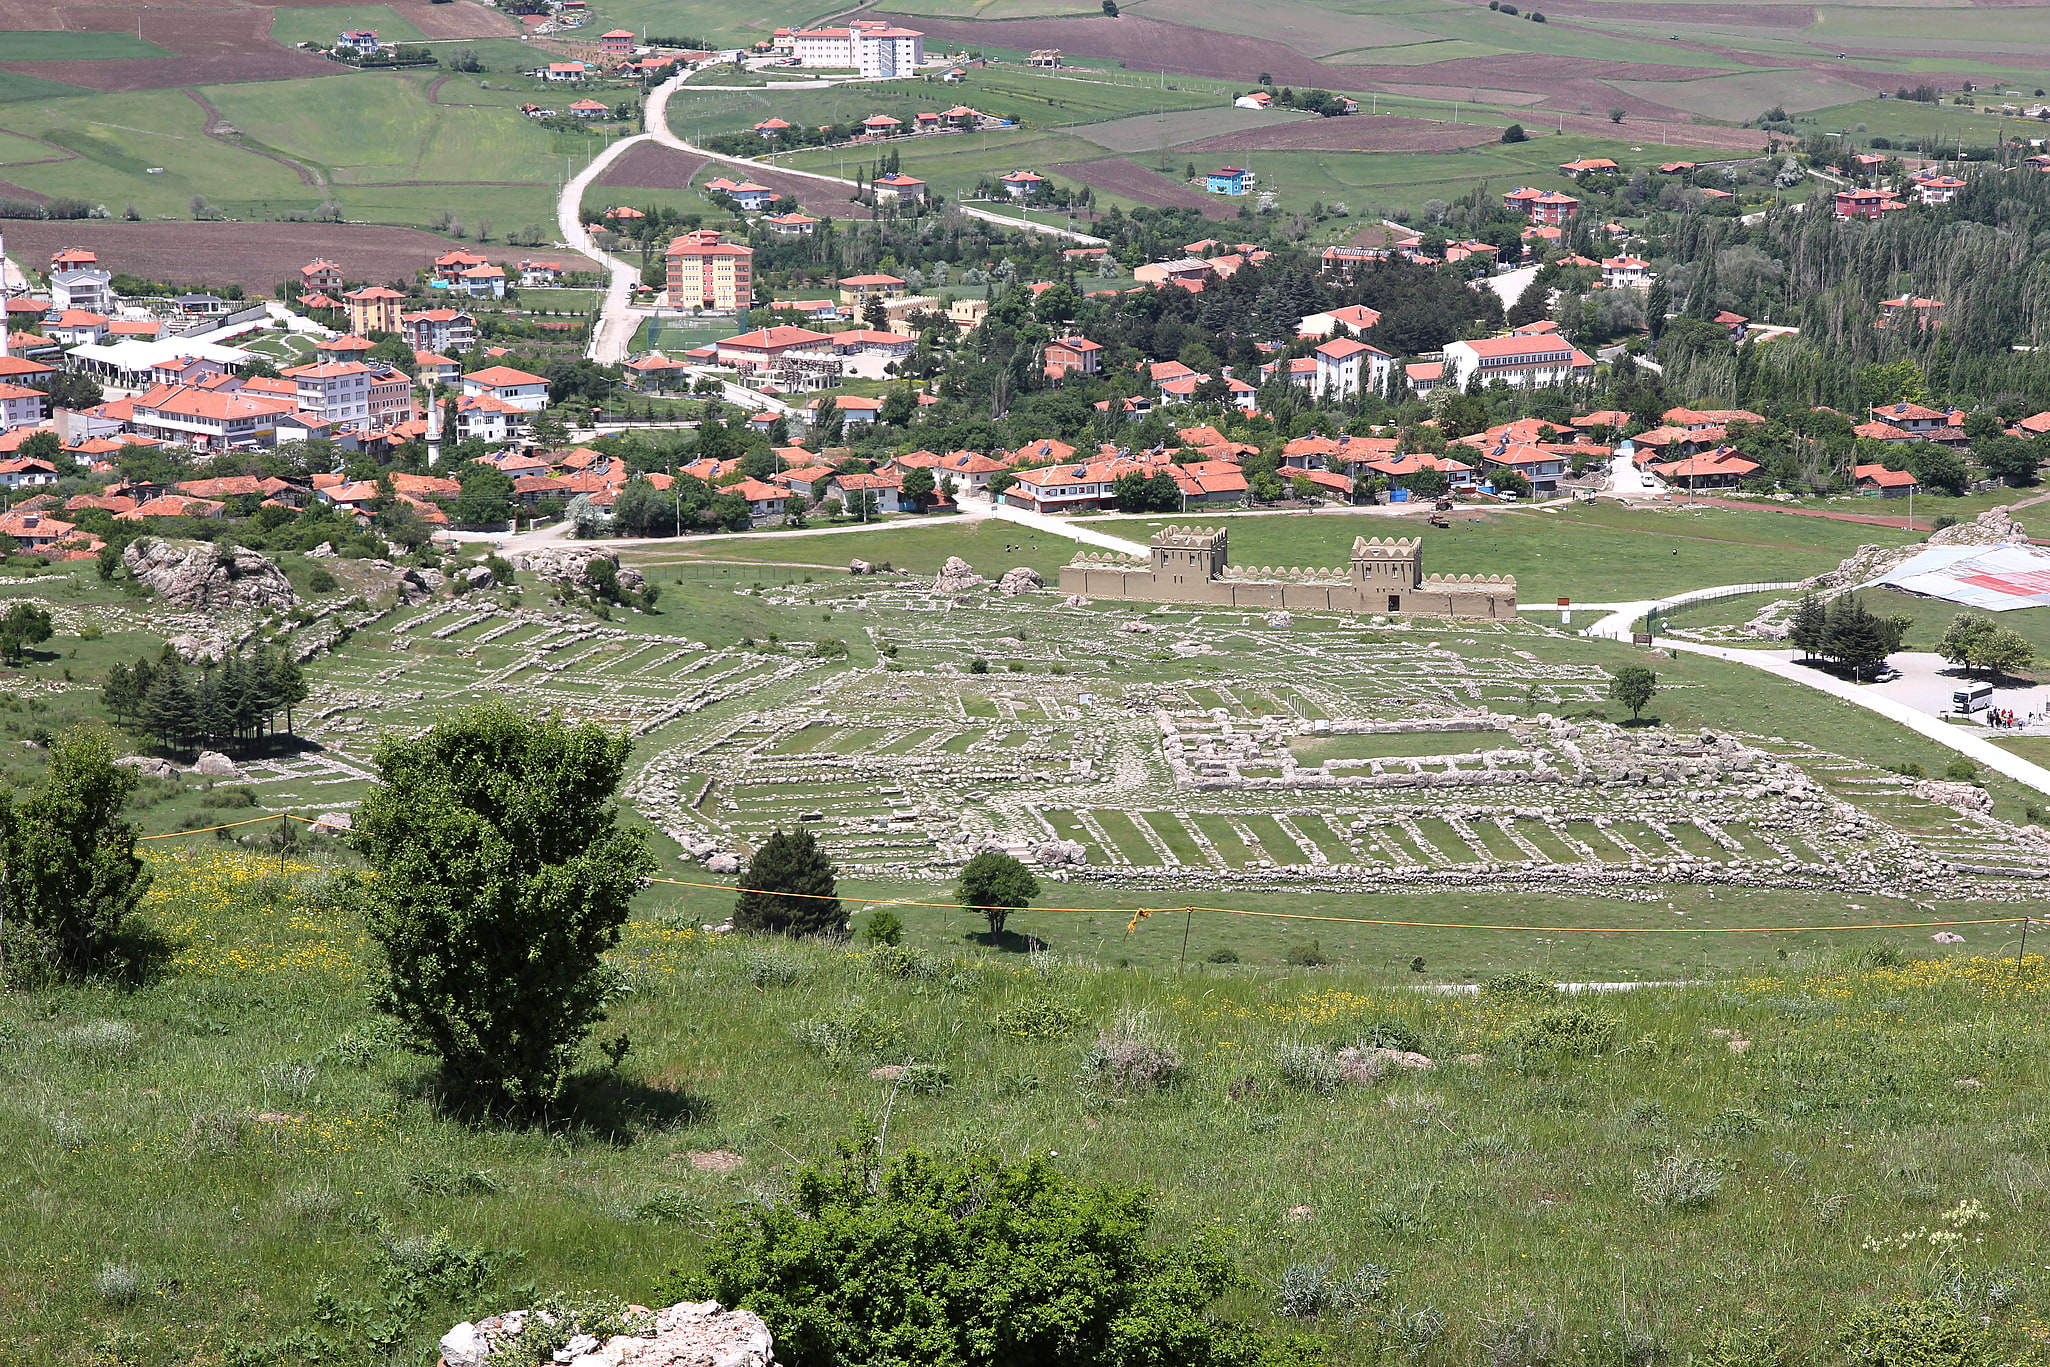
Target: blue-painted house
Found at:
x=1230, y=180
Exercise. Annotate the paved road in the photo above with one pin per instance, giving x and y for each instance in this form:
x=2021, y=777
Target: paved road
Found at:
x=658, y=128
x=614, y=333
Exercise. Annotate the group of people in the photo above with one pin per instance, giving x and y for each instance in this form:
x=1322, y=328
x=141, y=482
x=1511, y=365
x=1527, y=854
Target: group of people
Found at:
x=2000, y=718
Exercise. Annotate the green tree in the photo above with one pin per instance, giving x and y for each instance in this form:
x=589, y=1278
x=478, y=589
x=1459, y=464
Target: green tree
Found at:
x=2003, y=651
x=1960, y=640
x=502, y=879
x=24, y=625
x=918, y=486
x=2008, y=458
x=71, y=872
x=487, y=496
x=791, y=889
x=972, y=1263
x=1804, y=632
x=1633, y=686
x=1514, y=133
x=996, y=885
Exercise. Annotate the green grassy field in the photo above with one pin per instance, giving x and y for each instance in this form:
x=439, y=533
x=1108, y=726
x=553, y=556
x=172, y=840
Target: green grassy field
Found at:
x=285, y=1152
x=1593, y=553
x=954, y=165
x=321, y=24
x=67, y=46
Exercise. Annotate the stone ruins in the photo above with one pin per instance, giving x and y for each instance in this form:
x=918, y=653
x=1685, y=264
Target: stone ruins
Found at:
x=1188, y=565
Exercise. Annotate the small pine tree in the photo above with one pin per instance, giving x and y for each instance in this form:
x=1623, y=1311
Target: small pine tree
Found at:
x=791, y=889
x=1804, y=633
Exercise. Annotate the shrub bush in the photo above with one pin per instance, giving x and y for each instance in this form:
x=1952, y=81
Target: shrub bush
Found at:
x=1129, y=1057
x=1039, y=1018
x=1679, y=1181
x=1310, y=955
x=1308, y=1067
x=883, y=927
x=1568, y=1030
x=1519, y=986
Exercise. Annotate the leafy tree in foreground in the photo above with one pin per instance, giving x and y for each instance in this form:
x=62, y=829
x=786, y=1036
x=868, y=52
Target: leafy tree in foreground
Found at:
x=973, y=1263
x=71, y=872
x=996, y=885
x=502, y=879
x=1633, y=686
x=790, y=889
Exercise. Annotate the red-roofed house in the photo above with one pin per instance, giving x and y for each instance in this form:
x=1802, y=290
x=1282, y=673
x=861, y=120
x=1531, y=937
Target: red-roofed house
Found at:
x=1073, y=354
x=1346, y=365
x=1356, y=317
x=22, y=406
x=706, y=272
x=1882, y=482
x=1546, y=208
x=528, y=393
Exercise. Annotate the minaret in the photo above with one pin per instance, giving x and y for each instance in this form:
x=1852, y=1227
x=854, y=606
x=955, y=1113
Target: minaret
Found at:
x=433, y=427
x=6, y=320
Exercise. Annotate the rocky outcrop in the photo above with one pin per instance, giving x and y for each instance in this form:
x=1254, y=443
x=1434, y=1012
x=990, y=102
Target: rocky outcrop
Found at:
x=860, y=567
x=1966, y=797
x=688, y=1334
x=1053, y=853
x=1023, y=579
x=214, y=764
x=194, y=574
x=196, y=650
x=956, y=575
x=572, y=565
x=149, y=766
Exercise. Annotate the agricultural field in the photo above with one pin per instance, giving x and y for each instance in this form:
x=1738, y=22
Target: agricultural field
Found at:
x=253, y=255
x=320, y=24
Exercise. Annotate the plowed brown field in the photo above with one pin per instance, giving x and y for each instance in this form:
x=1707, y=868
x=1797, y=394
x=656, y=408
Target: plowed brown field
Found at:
x=1133, y=181
x=216, y=45
x=253, y=255
x=1354, y=133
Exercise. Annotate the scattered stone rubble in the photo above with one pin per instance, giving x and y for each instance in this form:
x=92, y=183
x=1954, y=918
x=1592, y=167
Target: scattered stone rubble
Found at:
x=688, y=1334
x=1022, y=579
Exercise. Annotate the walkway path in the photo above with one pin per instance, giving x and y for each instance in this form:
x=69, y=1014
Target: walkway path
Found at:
x=1088, y=536
x=1961, y=739
x=1983, y=752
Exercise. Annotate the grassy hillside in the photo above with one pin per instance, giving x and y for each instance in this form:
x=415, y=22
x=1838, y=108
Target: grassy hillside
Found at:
x=232, y=1154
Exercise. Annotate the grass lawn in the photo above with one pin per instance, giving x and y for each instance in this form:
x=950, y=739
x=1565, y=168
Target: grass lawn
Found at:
x=247, y=1099
x=322, y=24
x=921, y=545
x=118, y=136
x=1593, y=553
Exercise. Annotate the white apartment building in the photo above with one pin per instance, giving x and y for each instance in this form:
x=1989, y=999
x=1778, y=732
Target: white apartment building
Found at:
x=1520, y=361
x=877, y=50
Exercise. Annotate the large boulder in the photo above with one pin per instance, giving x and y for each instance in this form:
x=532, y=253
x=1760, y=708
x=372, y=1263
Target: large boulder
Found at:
x=149, y=766
x=214, y=764
x=688, y=1334
x=196, y=574
x=1023, y=579
x=572, y=565
x=956, y=575
x=199, y=650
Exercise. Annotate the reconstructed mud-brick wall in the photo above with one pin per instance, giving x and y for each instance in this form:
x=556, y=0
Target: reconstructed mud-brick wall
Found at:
x=1188, y=565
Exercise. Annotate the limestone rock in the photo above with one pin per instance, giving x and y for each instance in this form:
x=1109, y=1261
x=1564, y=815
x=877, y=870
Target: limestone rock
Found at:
x=1055, y=852
x=199, y=649
x=1372, y=1064
x=722, y=863
x=334, y=823
x=860, y=567
x=1966, y=797
x=956, y=575
x=324, y=551
x=572, y=565
x=194, y=574
x=214, y=764
x=1279, y=619
x=1022, y=579
x=433, y=579
x=478, y=577
x=688, y=1334
x=1074, y=600
x=149, y=766
x=1137, y=628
